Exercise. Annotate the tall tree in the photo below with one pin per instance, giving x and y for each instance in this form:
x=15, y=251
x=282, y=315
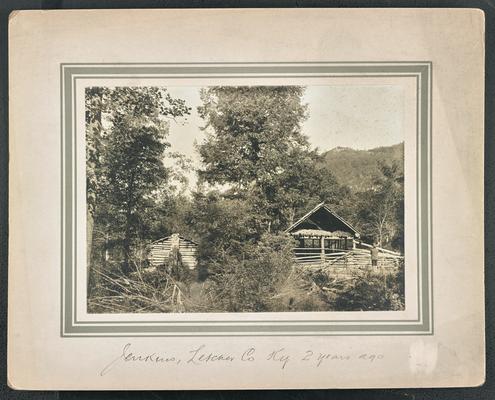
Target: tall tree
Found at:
x=134, y=170
x=380, y=210
x=249, y=130
x=254, y=145
x=125, y=158
x=95, y=106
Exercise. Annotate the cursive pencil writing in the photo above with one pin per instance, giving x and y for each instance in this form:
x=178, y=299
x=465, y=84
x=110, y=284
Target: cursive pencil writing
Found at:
x=128, y=356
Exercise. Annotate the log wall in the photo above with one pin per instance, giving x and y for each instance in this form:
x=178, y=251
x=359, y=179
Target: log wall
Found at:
x=160, y=250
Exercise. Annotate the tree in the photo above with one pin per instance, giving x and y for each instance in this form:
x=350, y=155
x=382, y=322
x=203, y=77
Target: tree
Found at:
x=249, y=130
x=104, y=106
x=126, y=132
x=223, y=225
x=302, y=184
x=255, y=146
x=134, y=170
x=381, y=209
x=95, y=104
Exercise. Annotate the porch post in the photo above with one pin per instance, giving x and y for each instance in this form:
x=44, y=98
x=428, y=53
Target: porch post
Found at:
x=322, y=244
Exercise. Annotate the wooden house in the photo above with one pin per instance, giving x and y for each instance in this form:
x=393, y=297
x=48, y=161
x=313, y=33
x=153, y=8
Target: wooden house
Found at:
x=322, y=232
x=162, y=250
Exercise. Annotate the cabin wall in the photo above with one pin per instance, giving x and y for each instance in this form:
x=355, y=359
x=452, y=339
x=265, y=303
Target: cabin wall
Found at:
x=160, y=251
x=309, y=249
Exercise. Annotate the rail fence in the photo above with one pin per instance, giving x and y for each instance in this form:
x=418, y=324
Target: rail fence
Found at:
x=346, y=263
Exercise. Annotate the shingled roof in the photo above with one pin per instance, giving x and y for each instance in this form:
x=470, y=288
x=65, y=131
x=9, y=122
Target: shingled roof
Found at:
x=323, y=218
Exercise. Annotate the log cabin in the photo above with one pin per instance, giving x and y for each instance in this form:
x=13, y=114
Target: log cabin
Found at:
x=321, y=232
x=162, y=250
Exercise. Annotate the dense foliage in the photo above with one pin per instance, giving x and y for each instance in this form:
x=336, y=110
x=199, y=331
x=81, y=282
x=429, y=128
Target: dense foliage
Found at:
x=254, y=144
x=126, y=130
x=372, y=291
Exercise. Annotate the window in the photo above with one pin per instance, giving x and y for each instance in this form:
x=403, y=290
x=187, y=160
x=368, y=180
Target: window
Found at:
x=311, y=243
x=335, y=244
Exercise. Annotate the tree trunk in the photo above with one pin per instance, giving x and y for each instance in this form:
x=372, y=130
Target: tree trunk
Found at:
x=92, y=275
x=128, y=223
x=93, y=133
x=127, y=246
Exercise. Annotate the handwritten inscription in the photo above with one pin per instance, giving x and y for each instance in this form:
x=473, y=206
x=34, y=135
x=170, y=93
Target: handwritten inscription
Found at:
x=201, y=355
x=127, y=356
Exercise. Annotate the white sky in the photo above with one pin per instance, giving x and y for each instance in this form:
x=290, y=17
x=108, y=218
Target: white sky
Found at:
x=356, y=116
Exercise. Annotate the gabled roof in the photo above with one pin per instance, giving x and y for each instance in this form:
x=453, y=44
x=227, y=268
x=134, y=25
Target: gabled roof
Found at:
x=327, y=210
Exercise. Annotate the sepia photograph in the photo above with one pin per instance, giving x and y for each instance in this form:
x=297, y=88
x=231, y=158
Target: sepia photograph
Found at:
x=297, y=205
x=245, y=199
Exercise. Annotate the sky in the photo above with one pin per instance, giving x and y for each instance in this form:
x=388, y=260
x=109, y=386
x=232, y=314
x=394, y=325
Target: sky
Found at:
x=356, y=116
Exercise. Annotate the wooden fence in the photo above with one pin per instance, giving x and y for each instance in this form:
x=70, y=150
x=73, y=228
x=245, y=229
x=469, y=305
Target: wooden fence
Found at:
x=347, y=262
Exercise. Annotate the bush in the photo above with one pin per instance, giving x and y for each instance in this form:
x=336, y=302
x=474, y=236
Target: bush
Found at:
x=251, y=280
x=372, y=291
x=147, y=290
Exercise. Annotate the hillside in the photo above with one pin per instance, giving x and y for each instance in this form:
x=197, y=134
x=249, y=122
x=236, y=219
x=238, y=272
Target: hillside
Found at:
x=358, y=168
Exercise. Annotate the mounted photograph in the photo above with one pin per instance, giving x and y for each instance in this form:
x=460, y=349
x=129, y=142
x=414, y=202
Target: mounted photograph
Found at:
x=211, y=199
x=224, y=199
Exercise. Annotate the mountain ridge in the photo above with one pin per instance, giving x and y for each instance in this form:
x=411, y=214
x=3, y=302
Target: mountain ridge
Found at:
x=358, y=168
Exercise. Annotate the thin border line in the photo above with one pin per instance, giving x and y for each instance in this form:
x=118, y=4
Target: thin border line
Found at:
x=370, y=322
x=238, y=63
x=418, y=75
x=62, y=220
x=279, y=320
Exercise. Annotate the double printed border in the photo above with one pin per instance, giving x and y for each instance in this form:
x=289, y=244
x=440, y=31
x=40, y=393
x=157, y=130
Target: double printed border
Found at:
x=71, y=326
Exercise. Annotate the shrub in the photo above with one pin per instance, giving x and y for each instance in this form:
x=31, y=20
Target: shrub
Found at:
x=147, y=290
x=371, y=291
x=251, y=280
